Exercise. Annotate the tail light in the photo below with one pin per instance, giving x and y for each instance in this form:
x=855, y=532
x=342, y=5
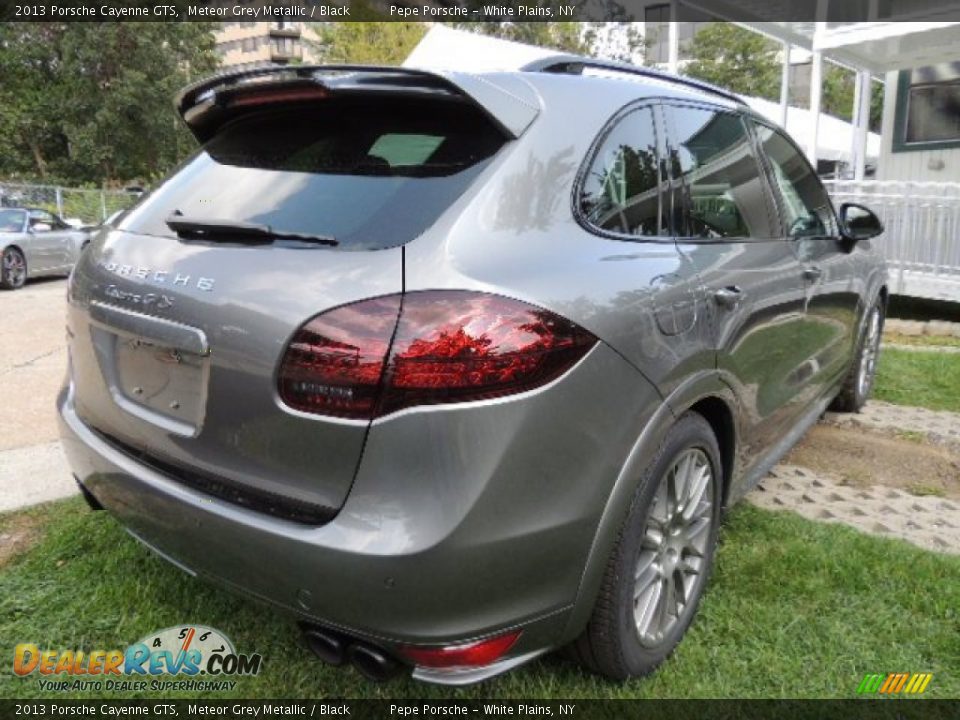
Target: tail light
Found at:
x=378, y=356
x=475, y=654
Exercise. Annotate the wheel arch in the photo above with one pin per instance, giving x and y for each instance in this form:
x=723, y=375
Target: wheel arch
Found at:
x=718, y=413
x=705, y=393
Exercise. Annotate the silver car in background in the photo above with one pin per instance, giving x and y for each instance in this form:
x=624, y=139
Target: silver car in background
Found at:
x=459, y=369
x=36, y=243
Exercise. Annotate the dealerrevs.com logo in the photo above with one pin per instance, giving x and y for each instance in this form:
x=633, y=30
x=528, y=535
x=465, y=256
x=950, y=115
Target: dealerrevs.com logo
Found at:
x=184, y=652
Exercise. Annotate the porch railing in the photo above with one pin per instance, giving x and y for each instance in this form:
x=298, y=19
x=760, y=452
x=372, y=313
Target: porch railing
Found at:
x=922, y=232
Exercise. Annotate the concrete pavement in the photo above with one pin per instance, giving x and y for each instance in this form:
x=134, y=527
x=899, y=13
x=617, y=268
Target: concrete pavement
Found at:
x=33, y=360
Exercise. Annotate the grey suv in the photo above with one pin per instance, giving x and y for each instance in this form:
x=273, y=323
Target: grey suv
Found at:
x=460, y=368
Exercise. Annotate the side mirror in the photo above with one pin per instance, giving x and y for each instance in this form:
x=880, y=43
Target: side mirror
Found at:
x=40, y=227
x=858, y=223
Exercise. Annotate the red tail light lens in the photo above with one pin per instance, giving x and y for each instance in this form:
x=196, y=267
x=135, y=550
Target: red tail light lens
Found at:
x=334, y=363
x=450, y=346
x=476, y=654
x=454, y=346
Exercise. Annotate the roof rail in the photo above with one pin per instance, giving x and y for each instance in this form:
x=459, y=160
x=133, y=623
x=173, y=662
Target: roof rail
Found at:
x=576, y=64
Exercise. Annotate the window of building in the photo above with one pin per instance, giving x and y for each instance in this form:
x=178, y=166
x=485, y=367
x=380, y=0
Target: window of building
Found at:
x=656, y=23
x=622, y=191
x=928, y=108
x=720, y=193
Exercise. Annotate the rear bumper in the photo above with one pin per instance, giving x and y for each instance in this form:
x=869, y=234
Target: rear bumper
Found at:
x=442, y=539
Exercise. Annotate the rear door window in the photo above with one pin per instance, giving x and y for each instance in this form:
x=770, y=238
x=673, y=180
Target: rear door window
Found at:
x=370, y=173
x=622, y=191
x=716, y=172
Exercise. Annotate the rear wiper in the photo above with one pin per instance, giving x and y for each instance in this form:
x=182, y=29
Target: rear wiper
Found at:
x=213, y=229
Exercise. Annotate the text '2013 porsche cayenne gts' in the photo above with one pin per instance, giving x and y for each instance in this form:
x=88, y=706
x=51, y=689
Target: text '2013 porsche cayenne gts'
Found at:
x=459, y=369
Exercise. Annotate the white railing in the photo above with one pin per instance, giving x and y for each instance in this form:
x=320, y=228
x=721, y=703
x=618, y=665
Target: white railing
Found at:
x=922, y=232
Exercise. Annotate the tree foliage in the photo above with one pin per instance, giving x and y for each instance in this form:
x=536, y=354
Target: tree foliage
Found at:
x=839, y=89
x=369, y=43
x=736, y=59
x=92, y=102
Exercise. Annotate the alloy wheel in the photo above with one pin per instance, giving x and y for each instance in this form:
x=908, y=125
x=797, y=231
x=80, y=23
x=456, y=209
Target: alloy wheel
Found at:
x=14, y=268
x=868, y=357
x=671, y=563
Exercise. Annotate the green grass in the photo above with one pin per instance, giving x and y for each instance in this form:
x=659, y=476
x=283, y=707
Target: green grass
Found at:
x=908, y=377
x=924, y=340
x=795, y=609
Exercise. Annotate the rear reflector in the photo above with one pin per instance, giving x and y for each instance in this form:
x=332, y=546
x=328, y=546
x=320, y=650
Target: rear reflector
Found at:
x=449, y=346
x=475, y=654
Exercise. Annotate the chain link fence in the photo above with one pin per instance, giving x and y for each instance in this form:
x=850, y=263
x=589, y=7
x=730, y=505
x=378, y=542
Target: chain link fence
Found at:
x=75, y=205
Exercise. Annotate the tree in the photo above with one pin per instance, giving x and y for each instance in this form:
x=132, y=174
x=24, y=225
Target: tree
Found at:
x=92, y=102
x=736, y=59
x=839, y=88
x=371, y=43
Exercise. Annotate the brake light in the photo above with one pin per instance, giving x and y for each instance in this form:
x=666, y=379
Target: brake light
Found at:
x=268, y=96
x=475, y=654
x=334, y=363
x=449, y=346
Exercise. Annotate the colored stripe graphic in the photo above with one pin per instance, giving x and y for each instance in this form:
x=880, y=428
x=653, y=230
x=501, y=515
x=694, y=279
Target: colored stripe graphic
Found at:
x=894, y=683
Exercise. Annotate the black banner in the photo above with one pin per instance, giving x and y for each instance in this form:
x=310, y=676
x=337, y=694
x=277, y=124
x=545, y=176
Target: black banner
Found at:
x=831, y=11
x=888, y=709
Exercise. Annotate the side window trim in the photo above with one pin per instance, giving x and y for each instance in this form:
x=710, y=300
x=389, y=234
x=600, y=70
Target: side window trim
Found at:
x=669, y=106
x=653, y=104
x=773, y=184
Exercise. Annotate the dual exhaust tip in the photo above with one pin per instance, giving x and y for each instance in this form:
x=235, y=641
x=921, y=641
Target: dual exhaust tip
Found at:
x=334, y=649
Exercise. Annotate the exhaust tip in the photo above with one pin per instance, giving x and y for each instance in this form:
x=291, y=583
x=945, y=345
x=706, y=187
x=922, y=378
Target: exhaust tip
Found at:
x=325, y=645
x=372, y=663
x=88, y=497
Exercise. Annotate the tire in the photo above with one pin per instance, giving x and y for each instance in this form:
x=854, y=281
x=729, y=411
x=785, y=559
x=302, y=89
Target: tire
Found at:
x=13, y=269
x=859, y=381
x=619, y=642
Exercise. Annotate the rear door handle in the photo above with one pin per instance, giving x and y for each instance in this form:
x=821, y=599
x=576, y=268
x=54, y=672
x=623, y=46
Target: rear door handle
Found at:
x=728, y=297
x=812, y=273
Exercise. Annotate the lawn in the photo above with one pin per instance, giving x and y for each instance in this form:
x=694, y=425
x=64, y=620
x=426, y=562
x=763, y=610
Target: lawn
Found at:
x=796, y=609
x=925, y=379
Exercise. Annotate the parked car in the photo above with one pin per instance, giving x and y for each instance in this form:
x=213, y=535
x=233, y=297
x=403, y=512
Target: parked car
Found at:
x=460, y=369
x=35, y=243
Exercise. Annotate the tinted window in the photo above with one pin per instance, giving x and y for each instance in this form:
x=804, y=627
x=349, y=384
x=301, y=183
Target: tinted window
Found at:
x=11, y=220
x=621, y=192
x=722, y=195
x=806, y=209
x=371, y=173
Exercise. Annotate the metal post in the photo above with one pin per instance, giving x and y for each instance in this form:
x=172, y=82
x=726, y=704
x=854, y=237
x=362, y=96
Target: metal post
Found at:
x=861, y=123
x=785, y=84
x=59, y=195
x=816, y=94
x=673, y=39
x=103, y=205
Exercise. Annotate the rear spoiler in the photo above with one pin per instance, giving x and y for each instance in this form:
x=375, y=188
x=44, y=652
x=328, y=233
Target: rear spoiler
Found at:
x=508, y=101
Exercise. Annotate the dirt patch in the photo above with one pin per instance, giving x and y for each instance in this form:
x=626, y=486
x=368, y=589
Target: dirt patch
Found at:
x=17, y=535
x=858, y=456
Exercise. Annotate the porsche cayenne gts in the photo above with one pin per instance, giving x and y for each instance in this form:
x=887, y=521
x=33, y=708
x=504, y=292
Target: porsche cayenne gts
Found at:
x=457, y=368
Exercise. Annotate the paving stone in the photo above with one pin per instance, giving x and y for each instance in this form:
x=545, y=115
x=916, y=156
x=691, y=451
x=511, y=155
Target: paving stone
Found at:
x=928, y=522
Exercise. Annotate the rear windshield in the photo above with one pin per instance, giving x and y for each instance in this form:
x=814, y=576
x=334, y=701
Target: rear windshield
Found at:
x=369, y=173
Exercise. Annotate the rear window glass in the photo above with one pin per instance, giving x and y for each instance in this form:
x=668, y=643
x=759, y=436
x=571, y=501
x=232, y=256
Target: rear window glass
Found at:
x=370, y=173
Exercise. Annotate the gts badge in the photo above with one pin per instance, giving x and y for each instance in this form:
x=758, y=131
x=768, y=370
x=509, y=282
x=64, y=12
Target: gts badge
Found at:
x=154, y=300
